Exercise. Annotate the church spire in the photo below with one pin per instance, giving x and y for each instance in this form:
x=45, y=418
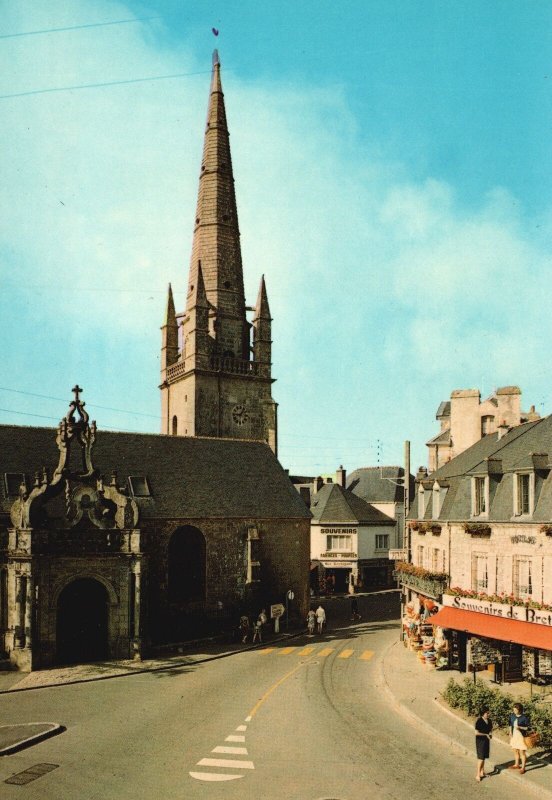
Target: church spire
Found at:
x=216, y=244
x=169, y=333
x=262, y=332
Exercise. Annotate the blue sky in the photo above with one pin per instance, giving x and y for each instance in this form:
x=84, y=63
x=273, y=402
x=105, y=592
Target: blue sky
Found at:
x=392, y=164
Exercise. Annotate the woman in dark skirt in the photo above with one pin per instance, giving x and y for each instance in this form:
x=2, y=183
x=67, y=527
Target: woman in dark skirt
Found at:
x=483, y=734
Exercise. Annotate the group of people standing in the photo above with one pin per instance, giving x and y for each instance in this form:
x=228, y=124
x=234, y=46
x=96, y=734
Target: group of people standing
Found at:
x=519, y=728
x=255, y=630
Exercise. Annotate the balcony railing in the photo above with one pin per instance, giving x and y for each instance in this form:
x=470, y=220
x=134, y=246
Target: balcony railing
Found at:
x=429, y=585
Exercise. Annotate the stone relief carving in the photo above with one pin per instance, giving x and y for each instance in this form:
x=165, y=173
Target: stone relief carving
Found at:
x=86, y=496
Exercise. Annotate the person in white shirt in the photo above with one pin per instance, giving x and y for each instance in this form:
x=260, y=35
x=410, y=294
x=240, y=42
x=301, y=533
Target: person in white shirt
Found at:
x=320, y=618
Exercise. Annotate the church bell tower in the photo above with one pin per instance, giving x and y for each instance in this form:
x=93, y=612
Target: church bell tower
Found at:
x=216, y=365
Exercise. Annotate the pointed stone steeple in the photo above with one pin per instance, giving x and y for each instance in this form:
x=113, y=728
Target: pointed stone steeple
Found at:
x=220, y=385
x=196, y=327
x=169, y=334
x=262, y=332
x=216, y=244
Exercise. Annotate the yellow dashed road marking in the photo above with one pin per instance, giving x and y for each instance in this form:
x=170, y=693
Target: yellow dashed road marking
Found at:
x=287, y=650
x=326, y=651
x=346, y=653
x=306, y=651
x=267, y=650
x=367, y=655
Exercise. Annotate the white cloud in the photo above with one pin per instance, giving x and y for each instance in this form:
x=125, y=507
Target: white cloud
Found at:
x=380, y=288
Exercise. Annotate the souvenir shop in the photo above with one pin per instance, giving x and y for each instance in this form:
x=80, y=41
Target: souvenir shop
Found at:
x=420, y=635
x=513, y=643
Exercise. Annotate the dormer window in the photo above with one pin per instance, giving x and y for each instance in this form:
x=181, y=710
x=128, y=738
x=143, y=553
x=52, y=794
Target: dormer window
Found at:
x=524, y=489
x=480, y=496
x=421, y=502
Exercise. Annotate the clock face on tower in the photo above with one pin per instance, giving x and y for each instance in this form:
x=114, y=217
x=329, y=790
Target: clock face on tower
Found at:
x=239, y=414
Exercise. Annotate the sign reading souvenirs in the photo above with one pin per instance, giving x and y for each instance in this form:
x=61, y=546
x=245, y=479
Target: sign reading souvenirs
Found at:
x=519, y=613
x=337, y=531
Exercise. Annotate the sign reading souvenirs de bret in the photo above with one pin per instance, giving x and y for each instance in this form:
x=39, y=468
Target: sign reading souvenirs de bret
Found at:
x=503, y=610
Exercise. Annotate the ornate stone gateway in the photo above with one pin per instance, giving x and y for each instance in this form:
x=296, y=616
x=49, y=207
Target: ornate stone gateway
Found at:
x=74, y=560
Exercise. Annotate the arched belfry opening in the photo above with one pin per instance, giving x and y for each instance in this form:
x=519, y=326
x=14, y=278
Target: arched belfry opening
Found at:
x=186, y=565
x=82, y=622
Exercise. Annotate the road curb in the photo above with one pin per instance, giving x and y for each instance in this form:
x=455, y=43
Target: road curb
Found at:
x=164, y=668
x=53, y=730
x=419, y=722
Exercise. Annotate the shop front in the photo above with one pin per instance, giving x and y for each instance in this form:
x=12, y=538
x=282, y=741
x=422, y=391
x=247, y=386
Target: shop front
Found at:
x=514, y=642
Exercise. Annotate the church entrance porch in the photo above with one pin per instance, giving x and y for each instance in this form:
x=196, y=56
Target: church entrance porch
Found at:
x=82, y=622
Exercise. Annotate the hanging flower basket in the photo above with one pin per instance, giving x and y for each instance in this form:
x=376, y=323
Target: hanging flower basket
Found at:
x=477, y=529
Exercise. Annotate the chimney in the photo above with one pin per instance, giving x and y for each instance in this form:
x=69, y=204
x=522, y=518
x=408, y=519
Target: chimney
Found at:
x=421, y=474
x=317, y=484
x=503, y=429
x=341, y=476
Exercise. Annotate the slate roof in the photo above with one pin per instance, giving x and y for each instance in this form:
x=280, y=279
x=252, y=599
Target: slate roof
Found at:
x=442, y=438
x=334, y=504
x=444, y=409
x=378, y=484
x=189, y=477
x=524, y=447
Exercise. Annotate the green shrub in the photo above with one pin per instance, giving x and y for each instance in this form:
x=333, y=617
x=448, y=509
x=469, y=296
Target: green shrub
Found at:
x=452, y=694
x=471, y=697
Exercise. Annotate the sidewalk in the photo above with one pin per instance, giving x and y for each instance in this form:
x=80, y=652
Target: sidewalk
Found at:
x=414, y=691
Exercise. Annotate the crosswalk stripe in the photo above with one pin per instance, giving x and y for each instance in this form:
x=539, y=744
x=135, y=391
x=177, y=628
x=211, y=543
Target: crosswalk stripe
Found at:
x=326, y=651
x=287, y=650
x=241, y=728
x=236, y=751
x=346, y=653
x=225, y=762
x=367, y=655
x=234, y=738
x=214, y=776
x=267, y=650
x=307, y=650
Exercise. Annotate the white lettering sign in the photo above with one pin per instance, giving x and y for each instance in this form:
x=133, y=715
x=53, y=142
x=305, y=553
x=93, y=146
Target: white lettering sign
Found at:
x=519, y=613
x=397, y=555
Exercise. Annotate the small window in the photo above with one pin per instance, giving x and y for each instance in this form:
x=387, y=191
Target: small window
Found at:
x=420, y=555
x=480, y=574
x=487, y=425
x=139, y=486
x=13, y=481
x=480, y=497
x=174, y=425
x=523, y=506
x=523, y=577
x=344, y=543
x=382, y=541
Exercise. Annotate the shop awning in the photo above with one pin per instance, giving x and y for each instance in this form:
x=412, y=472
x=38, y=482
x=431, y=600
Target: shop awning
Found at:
x=530, y=634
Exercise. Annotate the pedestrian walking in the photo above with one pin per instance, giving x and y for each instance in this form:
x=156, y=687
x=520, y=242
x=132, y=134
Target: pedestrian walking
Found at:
x=519, y=725
x=244, y=628
x=258, y=627
x=483, y=734
x=311, y=622
x=354, y=608
x=320, y=618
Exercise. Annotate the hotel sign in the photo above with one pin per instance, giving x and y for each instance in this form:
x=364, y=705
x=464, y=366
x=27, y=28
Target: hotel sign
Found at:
x=502, y=610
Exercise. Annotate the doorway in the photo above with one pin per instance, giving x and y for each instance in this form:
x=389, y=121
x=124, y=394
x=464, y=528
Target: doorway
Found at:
x=82, y=622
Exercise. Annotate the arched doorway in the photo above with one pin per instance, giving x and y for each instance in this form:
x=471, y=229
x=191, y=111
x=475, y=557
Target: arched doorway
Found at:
x=82, y=622
x=186, y=565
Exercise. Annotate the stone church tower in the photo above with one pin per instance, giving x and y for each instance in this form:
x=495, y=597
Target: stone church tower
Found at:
x=215, y=364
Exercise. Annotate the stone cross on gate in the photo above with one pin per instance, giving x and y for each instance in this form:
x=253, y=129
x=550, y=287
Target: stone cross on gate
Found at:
x=77, y=390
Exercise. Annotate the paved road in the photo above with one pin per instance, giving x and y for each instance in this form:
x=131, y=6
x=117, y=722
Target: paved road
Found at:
x=304, y=721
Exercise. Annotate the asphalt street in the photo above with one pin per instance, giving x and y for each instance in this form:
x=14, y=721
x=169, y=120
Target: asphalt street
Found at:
x=305, y=719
